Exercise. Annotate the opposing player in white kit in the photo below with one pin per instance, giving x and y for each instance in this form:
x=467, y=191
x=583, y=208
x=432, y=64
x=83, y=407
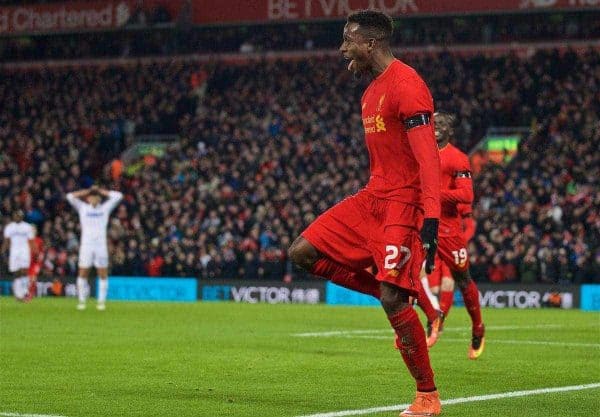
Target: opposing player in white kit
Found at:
x=93, y=249
x=19, y=234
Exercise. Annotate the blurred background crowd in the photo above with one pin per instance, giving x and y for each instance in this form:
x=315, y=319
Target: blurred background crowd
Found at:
x=264, y=145
x=150, y=34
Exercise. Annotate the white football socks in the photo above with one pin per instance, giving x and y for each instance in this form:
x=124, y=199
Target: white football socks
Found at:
x=82, y=289
x=102, y=290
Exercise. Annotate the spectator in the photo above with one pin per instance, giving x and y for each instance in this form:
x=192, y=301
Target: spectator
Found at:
x=276, y=147
x=529, y=270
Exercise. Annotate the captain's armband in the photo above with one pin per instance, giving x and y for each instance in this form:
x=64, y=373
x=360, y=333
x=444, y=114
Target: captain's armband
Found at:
x=416, y=121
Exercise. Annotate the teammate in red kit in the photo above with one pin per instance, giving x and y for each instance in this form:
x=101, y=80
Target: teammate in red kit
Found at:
x=442, y=275
x=456, y=190
x=37, y=259
x=380, y=224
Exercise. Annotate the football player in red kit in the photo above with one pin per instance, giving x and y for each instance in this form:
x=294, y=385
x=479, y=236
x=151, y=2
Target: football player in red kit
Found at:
x=392, y=222
x=442, y=276
x=456, y=193
x=35, y=266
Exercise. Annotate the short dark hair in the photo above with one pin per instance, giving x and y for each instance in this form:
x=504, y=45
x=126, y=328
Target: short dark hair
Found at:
x=451, y=117
x=373, y=23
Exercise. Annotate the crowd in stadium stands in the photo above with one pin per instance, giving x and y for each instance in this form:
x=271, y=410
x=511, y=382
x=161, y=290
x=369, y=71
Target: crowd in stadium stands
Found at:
x=267, y=146
x=540, y=219
x=142, y=36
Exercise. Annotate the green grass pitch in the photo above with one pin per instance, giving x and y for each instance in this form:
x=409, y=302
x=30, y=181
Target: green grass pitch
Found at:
x=224, y=359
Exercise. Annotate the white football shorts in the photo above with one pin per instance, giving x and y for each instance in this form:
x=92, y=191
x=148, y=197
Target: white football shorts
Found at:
x=18, y=261
x=96, y=255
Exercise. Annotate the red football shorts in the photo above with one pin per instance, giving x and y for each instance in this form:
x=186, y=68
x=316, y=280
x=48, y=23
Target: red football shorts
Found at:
x=452, y=250
x=363, y=230
x=441, y=270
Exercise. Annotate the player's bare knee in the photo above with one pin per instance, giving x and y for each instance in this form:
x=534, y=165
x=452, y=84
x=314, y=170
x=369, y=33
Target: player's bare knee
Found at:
x=393, y=299
x=303, y=254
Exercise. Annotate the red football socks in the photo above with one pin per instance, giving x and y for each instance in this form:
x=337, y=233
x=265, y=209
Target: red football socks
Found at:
x=361, y=280
x=413, y=347
x=446, y=301
x=425, y=304
x=471, y=297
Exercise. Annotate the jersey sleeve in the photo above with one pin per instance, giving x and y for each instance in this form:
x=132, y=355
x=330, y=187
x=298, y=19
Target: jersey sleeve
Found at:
x=7, y=230
x=74, y=201
x=414, y=99
x=30, y=232
x=462, y=193
x=114, y=197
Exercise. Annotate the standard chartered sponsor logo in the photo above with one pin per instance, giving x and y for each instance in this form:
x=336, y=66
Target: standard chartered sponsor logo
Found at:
x=32, y=19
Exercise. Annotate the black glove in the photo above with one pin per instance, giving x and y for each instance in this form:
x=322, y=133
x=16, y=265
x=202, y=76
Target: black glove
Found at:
x=429, y=237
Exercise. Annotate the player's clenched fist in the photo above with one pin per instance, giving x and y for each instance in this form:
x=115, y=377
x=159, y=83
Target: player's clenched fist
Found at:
x=429, y=237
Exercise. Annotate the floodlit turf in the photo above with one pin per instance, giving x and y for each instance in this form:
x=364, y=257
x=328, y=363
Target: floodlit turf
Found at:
x=221, y=359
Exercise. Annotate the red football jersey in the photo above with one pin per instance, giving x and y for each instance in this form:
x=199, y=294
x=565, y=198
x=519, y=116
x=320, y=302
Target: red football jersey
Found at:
x=395, y=95
x=465, y=209
x=456, y=189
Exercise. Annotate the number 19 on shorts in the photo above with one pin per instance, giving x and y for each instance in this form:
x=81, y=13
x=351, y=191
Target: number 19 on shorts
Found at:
x=460, y=256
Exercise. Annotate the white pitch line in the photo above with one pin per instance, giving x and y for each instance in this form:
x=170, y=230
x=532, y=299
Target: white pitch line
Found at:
x=26, y=415
x=446, y=329
x=531, y=342
x=512, y=394
x=495, y=341
x=341, y=332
